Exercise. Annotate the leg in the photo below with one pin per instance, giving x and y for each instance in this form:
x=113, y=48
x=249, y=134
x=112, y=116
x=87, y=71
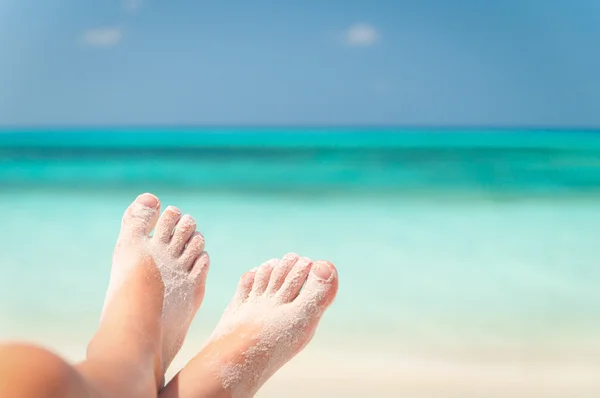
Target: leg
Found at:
x=31, y=372
x=271, y=318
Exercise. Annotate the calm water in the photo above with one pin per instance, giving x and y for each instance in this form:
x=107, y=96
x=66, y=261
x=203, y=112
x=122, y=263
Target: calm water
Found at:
x=453, y=242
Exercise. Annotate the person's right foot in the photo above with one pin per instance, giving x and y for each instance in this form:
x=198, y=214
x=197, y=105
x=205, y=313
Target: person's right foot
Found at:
x=271, y=318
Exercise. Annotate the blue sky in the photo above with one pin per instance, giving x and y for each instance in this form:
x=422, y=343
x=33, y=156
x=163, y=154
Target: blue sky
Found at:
x=192, y=62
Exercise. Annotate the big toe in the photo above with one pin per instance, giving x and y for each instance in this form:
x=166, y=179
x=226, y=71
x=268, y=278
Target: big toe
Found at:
x=141, y=216
x=320, y=288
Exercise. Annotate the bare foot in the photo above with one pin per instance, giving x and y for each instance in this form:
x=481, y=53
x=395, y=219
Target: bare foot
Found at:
x=271, y=318
x=156, y=286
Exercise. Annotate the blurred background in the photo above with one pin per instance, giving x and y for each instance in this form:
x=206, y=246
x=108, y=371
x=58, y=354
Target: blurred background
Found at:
x=444, y=155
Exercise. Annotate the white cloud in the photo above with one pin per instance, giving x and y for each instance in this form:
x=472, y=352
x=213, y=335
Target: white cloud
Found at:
x=361, y=35
x=103, y=37
x=132, y=5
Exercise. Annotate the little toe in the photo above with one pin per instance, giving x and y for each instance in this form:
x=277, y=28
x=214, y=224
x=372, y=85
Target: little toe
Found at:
x=193, y=249
x=184, y=230
x=280, y=271
x=140, y=217
x=244, y=288
x=199, y=272
x=294, y=280
x=166, y=223
x=200, y=266
x=263, y=274
x=320, y=288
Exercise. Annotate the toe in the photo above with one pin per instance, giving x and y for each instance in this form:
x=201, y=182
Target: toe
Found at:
x=244, y=287
x=294, y=280
x=184, y=230
x=280, y=271
x=320, y=288
x=200, y=266
x=166, y=223
x=199, y=272
x=140, y=217
x=192, y=250
x=263, y=274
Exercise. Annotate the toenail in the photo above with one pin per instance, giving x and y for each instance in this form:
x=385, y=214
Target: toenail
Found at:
x=173, y=210
x=148, y=200
x=322, y=270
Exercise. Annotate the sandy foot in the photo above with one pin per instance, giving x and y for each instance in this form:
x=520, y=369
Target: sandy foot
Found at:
x=272, y=317
x=156, y=286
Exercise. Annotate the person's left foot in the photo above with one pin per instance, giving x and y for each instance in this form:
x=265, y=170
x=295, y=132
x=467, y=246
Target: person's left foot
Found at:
x=156, y=286
x=272, y=317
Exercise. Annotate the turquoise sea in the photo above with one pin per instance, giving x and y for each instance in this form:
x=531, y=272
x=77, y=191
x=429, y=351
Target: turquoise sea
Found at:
x=455, y=245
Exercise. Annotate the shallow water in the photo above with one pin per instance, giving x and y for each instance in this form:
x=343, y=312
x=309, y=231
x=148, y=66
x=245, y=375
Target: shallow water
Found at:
x=478, y=246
